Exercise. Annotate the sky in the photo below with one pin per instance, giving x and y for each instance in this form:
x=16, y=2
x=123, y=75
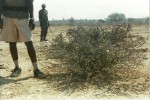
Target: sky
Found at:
x=92, y=9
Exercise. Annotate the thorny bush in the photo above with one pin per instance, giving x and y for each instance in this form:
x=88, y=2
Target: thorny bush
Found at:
x=91, y=49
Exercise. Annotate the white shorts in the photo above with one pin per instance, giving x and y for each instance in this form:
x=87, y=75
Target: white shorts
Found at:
x=15, y=30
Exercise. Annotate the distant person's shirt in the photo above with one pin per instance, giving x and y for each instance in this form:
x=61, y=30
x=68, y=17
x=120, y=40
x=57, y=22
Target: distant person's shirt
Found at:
x=15, y=9
x=43, y=15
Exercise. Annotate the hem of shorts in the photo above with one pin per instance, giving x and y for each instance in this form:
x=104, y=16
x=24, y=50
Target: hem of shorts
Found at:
x=16, y=41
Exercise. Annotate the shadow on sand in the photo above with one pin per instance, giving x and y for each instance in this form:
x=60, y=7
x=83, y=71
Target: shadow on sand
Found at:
x=8, y=80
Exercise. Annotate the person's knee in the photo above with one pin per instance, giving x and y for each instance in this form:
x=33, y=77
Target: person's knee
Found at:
x=13, y=50
x=12, y=43
x=31, y=51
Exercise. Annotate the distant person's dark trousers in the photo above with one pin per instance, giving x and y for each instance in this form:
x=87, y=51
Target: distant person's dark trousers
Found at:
x=44, y=30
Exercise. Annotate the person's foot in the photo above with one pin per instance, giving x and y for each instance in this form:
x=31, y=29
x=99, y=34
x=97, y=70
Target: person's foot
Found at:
x=15, y=72
x=39, y=74
x=41, y=40
x=45, y=40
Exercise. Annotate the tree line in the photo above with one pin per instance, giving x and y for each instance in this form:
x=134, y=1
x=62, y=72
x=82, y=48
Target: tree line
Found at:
x=111, y=19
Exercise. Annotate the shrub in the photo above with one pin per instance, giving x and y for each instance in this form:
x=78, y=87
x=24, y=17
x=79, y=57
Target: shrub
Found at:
x=92, y=49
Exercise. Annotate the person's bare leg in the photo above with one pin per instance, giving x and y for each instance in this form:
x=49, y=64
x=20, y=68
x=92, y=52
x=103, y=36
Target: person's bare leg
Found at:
x=14, y=54
x=32, y=55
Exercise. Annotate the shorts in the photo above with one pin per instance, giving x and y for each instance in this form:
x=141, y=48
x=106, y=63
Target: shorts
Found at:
x=15, y=30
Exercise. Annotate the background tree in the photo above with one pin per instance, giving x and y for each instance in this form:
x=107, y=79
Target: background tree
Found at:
x=147, y=20
x=131, y=20
x=71, y=21
x=116, y=18
x=101, y=21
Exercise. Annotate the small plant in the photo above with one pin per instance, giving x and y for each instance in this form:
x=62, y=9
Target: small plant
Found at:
x=93, y=49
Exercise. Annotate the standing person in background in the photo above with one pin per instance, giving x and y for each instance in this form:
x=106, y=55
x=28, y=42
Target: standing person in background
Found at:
x=44, y=23
x=14, y=16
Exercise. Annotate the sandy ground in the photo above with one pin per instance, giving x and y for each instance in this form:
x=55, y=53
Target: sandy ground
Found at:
x=25, y=87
